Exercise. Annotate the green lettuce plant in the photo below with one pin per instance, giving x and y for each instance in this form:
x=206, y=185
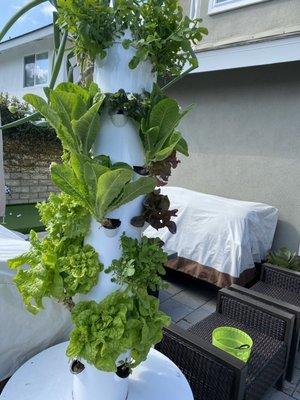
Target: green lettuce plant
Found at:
x=158, y=117
x=158, y=131
x=98, y=188
x=133, y=105
x=160, y=31
x=141, y=264
x=73, y=112
x=57, y=269
x=64, y=217
x=122, y=321
x=60, y=265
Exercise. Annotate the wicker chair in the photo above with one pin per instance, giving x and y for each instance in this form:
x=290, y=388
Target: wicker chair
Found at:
x=281, y=288
x=216, y=375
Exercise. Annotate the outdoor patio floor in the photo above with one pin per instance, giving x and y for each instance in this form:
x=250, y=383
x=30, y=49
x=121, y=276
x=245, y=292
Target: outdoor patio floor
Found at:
x=188, y=301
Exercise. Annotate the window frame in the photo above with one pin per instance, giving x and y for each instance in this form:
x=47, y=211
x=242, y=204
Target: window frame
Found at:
x=34, y=77
x=228, y=5
x=193, y=10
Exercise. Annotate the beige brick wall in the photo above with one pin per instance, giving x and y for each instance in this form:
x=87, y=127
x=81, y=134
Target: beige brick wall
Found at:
x=26, y=169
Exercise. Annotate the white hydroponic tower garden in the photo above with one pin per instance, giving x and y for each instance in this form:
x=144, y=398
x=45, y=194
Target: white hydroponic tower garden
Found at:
x=139, y=153
x=119, y=139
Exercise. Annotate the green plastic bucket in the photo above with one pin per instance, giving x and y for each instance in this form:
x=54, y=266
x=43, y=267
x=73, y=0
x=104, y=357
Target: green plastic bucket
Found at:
x=233, y=341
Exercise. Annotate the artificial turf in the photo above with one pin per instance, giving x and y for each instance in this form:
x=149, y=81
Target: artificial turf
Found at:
x=22, y=218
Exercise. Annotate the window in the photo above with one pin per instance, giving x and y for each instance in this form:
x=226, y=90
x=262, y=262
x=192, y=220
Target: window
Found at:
x=36, y=69
x=217, y=6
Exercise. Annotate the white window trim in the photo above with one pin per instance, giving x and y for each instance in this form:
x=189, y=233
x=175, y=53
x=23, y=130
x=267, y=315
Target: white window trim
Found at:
x=194, y=5
x=249, y=55
x=215, y=8
x=49, y=72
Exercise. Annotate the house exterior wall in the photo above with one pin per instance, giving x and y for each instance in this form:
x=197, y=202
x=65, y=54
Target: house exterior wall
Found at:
x=244, y=139
x=12, y=67
x=250, y=23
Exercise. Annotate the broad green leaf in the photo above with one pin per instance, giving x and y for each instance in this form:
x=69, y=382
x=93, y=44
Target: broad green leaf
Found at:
x=182, y=147
x=90, y=180
x=167, y=150
x=53, y=118
x=40, y=105
x=98, y=168
x=165, y=114
x=77, y=162
x=135, y=189
x=70, y=87
x=68, y=106
x=186, y=111
x=87, y=127
x=150, y=137
x=109, y=187
x=134, y=62
x=119, y=165
x=103, y=160
x=64, y=178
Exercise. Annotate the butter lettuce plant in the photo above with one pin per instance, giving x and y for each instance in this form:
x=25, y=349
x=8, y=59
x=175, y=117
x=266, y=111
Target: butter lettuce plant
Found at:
x=64, y=217
x=59, y=265
x=122, y=321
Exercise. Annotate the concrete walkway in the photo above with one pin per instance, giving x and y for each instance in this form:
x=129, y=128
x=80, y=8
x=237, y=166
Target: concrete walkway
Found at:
x=189, y=301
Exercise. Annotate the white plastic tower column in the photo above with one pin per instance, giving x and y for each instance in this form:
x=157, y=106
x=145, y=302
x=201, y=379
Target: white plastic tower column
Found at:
x=119, y=139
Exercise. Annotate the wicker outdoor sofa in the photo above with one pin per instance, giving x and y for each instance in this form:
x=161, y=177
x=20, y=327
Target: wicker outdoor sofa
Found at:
x=279, y=287
x=216, y=375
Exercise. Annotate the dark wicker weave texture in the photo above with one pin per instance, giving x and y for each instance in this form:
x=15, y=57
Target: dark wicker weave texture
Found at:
x=251, y=317
x=214, y=374
x=209, y=380
x=277, y=293
x=268, y=354
x=282, y=278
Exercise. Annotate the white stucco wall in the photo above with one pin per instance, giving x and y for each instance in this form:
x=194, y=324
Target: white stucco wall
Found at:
x=253, y=22
x=244, y=139
x=12, y=67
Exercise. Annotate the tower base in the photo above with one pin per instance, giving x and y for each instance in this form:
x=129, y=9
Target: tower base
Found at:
x=47, y=376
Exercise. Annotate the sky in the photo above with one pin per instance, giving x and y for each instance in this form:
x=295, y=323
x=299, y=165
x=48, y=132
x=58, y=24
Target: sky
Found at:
x=34, y=19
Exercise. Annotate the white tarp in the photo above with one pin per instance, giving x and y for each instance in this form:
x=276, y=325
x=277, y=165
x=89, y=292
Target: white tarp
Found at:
x=22, y=334
x=225, y=234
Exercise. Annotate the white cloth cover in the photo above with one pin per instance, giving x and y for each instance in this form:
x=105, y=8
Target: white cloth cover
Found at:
x=22, y=334
x=225, y=234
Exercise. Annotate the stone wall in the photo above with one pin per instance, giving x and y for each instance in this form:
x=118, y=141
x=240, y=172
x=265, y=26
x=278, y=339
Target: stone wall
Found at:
x=26, y=167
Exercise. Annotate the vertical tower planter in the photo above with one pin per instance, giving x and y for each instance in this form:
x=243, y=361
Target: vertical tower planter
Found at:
x=119, y=139
x=94, y=239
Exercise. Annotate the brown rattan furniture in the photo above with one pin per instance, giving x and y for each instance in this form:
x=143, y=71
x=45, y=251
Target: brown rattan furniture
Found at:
x=279, y=287
x=216, y=375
